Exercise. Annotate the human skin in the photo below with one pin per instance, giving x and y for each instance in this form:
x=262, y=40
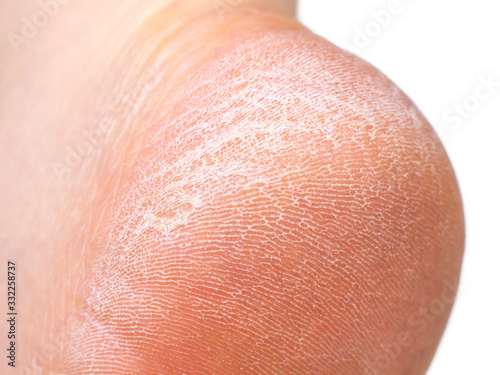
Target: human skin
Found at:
x=188, y=189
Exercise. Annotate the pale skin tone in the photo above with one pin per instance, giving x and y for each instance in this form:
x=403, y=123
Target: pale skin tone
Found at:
x=205, y=187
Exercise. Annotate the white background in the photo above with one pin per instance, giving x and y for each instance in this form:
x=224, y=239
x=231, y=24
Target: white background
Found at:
x=438, y=52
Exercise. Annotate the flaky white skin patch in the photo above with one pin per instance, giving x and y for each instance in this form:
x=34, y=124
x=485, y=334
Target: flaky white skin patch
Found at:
x=289, y=218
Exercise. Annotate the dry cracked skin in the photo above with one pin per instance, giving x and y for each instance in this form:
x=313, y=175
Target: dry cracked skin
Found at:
x=205, y=187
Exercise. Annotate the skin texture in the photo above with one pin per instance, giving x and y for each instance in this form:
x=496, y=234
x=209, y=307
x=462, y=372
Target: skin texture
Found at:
x=219, y=193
